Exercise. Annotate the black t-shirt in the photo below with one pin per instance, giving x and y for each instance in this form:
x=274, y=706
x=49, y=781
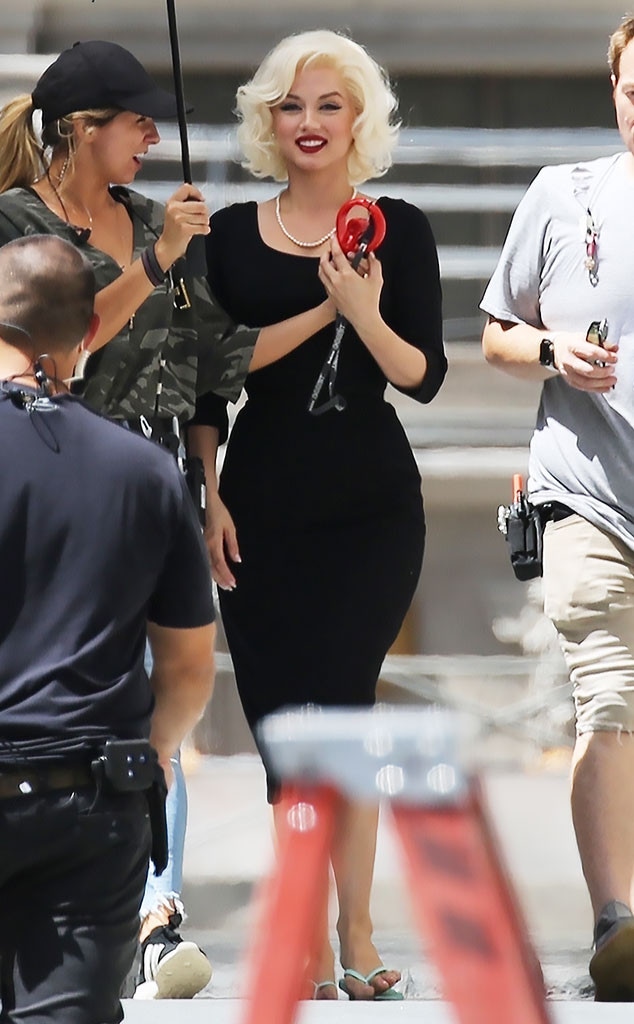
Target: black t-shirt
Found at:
x=97, y=535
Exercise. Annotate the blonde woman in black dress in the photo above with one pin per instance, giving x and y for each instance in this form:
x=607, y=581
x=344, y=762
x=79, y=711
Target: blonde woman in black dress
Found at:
x=317, y=531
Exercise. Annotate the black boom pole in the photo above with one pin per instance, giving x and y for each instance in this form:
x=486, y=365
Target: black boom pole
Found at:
x=179, y=91
x=196, y=248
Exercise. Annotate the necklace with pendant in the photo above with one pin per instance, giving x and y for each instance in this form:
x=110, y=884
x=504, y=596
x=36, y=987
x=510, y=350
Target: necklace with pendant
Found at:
x=82, y=233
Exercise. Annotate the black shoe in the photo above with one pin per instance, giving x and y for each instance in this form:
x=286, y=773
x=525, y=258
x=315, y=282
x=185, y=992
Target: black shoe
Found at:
x=171, y=968
x=612, y=966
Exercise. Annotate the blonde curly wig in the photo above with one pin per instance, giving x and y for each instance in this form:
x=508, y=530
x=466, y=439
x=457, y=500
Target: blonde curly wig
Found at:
x=374, y=130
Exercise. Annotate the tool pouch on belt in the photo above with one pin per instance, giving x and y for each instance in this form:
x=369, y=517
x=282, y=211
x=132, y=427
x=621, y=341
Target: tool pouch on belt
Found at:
x=521, y=524
x=131, y=766
x=156, y=797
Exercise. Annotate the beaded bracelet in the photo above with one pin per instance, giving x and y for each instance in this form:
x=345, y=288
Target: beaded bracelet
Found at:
x=153, y=269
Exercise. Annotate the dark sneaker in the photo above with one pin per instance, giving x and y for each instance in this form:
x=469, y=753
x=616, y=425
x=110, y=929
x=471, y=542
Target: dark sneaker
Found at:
x=170, y=967
x=612, y=966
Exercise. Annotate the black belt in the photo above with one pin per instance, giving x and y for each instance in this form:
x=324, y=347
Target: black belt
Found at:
x=554, y=511
x=30, y=781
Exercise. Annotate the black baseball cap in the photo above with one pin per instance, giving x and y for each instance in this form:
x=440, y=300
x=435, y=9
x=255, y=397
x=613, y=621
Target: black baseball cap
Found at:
x=96, y=75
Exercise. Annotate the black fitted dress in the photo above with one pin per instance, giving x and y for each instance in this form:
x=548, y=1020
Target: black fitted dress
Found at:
x=328, y=509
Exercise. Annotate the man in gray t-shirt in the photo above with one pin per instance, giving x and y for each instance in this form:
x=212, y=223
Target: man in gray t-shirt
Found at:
x=568, y=263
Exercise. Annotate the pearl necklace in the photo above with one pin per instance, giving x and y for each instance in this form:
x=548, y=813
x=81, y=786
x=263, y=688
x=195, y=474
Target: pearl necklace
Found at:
x=297, y=241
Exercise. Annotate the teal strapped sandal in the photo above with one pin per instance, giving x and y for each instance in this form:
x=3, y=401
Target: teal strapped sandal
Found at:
x=390, y=993
x=318, y=986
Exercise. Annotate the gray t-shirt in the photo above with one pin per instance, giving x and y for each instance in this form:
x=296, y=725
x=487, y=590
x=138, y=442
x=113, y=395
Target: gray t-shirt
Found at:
x=582, y=450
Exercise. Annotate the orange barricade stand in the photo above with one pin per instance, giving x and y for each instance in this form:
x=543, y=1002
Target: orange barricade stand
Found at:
x=464, y=904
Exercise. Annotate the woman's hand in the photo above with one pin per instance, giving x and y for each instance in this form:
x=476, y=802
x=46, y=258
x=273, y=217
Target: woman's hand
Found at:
x=355, y=293
x=584, y=365
x=222, y=541
x=186, y=215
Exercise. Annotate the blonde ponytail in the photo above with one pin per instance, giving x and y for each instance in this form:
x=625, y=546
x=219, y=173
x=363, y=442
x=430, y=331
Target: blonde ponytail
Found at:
x=21, y=154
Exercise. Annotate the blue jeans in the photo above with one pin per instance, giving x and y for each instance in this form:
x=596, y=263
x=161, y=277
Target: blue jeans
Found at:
x=168, y=885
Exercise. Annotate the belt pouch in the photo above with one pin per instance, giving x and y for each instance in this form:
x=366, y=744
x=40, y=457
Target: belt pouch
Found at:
x=156, y=796
x=131, y=766
x=524, y=536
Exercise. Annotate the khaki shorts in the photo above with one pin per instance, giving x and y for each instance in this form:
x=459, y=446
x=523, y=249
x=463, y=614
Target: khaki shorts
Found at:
x=589, y=596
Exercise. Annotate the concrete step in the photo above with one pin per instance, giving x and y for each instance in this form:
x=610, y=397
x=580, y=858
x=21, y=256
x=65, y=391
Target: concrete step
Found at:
x=229, y=1011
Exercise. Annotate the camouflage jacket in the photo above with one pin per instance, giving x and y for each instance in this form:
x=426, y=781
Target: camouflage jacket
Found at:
x=203, y=350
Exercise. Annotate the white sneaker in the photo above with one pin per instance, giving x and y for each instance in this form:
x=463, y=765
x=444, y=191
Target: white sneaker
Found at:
x=170, y=967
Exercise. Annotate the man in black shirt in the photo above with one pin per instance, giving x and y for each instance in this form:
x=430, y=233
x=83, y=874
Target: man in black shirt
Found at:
x=99, y=547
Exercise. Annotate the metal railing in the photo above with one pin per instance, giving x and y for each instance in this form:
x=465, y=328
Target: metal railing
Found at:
x=538, y=705
x=215, y=158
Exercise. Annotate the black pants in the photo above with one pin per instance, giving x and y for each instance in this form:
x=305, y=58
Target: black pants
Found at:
x=71, y=881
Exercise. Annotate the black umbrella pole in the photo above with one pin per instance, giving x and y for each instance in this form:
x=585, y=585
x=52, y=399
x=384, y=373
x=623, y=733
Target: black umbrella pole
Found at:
x=196, y=249
x=179, y=91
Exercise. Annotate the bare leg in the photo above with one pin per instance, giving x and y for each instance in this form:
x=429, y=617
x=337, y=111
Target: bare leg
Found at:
x=603, y=815
x=353, y=856
x=323, y=969
x=323, y=965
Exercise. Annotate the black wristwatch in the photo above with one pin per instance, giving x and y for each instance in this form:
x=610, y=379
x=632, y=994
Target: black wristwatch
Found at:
x=547, y=354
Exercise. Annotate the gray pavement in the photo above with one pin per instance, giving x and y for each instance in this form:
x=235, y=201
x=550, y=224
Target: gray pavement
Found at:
x=230, y=850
